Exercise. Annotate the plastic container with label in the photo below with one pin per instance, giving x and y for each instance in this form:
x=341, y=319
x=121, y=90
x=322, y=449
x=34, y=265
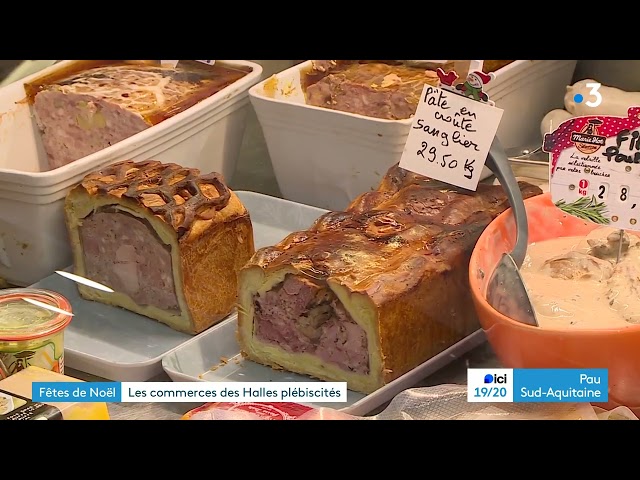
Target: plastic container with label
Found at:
x=16, y=399
x=30, y=333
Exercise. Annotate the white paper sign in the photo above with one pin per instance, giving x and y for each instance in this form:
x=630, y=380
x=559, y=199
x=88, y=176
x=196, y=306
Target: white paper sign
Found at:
x=450, y=137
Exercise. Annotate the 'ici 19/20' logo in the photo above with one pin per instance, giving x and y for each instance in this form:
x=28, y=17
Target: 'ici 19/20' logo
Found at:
x=488, y=378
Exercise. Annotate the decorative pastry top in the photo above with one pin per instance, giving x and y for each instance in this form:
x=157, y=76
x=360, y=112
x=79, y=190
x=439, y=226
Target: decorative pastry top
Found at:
x=388, y=240
x=176, y=194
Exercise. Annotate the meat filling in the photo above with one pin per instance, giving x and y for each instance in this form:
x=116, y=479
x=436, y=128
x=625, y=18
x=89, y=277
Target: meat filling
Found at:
x=301, y=316
x=124, y=253
x=74, y=126
x=372, y=89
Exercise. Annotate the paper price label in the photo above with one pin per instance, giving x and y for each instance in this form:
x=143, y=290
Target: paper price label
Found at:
x=452, y=131
x=594, y=168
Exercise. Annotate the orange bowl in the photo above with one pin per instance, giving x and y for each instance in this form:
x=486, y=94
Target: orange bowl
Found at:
x=522, y=346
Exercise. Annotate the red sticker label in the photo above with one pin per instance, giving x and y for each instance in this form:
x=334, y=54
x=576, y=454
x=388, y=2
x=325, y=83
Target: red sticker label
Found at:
x=266, y=411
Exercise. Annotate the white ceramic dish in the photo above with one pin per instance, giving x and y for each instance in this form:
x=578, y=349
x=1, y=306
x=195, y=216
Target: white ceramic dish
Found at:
x=326, y=158
x=207, y=136
x=119, y=345
x=214, y=356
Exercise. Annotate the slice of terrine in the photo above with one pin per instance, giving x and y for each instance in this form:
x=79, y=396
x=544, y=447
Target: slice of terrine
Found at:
x=168, y=240
x=91, y=105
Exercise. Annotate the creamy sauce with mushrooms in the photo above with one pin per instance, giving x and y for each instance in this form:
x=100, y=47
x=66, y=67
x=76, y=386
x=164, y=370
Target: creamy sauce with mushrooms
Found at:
x=574, y=282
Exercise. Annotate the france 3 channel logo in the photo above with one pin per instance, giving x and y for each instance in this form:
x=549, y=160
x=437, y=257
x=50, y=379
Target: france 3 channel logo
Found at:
x=490, y=385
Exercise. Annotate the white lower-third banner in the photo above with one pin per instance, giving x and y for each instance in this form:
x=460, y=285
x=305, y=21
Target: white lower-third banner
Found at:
x=166, y=392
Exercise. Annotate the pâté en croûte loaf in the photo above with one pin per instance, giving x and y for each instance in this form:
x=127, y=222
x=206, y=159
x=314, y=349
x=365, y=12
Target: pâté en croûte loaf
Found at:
x=366, y=295
x=168, y=240
x=91, y=105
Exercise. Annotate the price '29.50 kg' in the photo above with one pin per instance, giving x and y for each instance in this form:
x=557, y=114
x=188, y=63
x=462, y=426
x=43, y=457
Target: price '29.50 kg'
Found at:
x=445, y=161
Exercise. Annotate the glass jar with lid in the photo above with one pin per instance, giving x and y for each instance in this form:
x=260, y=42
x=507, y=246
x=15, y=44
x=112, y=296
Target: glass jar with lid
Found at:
x=32, y=323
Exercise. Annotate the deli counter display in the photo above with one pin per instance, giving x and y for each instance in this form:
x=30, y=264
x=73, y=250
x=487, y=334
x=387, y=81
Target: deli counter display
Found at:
x=236, y=221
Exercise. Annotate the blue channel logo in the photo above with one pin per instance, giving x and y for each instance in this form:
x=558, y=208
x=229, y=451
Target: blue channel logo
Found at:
x=489, y=379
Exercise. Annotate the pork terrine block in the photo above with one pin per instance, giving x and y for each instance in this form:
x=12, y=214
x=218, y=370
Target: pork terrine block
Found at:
x=368, y=294
x=380, y=89
x=92, y=105
x=373, y=89
x=168, y=240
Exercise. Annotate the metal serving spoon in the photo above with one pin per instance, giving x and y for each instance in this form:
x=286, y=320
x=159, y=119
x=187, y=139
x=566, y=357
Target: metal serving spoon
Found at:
x=506, y=291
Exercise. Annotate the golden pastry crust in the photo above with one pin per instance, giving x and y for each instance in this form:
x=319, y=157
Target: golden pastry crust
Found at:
x=181, y=197
x=397, y=259
x=204, y=224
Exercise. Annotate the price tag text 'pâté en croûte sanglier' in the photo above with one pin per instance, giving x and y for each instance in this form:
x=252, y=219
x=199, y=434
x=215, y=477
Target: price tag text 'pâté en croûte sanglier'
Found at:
x=452, y=130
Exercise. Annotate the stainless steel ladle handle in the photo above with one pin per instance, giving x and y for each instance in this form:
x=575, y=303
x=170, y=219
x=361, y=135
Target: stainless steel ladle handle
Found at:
x=498, y=163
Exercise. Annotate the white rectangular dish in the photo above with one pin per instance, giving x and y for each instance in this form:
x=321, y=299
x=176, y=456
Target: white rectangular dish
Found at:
x=207, y=136
x=214, y=356
x=119, y=345
x=326, y=158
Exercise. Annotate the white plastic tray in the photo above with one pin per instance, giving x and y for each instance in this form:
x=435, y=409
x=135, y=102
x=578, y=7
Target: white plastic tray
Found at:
x=119, y=345
x=214, y=356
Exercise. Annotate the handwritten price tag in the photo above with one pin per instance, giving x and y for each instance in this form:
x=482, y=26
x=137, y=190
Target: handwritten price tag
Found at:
x=594, y=168
x=450, y=137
